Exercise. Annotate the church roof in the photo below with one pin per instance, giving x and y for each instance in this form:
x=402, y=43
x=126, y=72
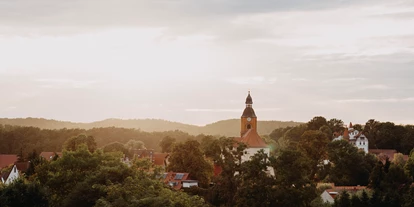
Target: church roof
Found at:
x=252, y=139
x=249, y=112
x=249, y=99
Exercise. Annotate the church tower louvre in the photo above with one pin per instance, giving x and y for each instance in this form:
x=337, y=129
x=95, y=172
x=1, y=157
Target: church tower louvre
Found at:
x=248, y=118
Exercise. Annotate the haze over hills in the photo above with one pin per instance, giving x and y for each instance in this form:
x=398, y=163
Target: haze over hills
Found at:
x=229, y=127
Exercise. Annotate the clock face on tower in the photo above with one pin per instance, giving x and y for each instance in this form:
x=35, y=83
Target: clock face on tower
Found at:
x=249, y=119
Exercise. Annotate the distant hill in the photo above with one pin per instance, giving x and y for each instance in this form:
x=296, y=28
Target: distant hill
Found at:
x=229, y=127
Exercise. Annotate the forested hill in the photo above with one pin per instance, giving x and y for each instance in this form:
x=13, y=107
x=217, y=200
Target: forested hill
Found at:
x=229, y=127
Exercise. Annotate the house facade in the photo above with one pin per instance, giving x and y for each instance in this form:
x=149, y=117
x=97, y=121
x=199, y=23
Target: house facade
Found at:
x=10, y=175
x=354, y=137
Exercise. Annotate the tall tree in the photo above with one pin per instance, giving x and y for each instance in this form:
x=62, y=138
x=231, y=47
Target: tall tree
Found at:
x=73, y=143
x=336, y=125
x=316, y=122
x=188, y=157
x=349, y=166
x=135, y=145
x=314, y=145
x=167, y=144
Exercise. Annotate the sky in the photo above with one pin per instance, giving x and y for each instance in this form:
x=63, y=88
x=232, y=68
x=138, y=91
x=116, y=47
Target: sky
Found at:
x=193, y=61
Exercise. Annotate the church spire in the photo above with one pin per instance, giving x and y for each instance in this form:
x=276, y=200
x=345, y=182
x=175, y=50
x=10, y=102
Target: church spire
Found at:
x=249, y=100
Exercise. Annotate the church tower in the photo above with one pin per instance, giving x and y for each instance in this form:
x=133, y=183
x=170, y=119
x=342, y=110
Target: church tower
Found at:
x=248, y=118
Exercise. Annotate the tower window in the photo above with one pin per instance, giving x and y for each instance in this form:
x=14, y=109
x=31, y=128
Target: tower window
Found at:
x=249, y=126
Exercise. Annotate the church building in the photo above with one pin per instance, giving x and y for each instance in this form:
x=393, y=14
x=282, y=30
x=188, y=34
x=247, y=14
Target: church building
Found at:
x=248, y=132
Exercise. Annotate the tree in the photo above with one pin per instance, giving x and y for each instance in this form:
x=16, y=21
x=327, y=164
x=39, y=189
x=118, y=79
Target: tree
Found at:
x=293, y=135
x=210, y=147
x=73, y=143
x=357, y=127
x=188, y=157
x=399, y=159
x=336, y=125
x=293, y=186
x=279, y=133
x=23, y=193
x=224, y=191
x=316, y=122
x=348, y=165
x=409, y=166
x=167, y=144
x=327, y=131
x=116, y=147
x=256, y=187
x=314, y=144
x=344, y=200
x=135, y=145
x=70, y=180
x=370, y=130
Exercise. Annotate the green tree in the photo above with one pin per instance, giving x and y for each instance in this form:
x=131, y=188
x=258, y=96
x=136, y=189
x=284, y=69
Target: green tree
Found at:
x=116, y=147
x=336, y=125
x=23, y=193
x=343, y=200
x=73, y=143
x=135, y=145
x=316, y=122
x=71, y=180
x=409, y=166
x=294, y=188
x=349, y=166
x=167, y=144
x=293, y=135
x=256, y=187
x=327, y=131
x=188, y=157
x=314, y=144
x=210, y=147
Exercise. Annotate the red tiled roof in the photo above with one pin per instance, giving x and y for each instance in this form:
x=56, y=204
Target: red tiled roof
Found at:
x=170, y=178
x=252, y=139
x=6, y=160
x=333, y=192
x=383, y=152
x=22, y=166
x=159, y=158
x=49, y=155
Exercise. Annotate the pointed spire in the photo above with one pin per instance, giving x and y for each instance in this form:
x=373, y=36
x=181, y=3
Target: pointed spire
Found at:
x=249, y=99
x=350, y=125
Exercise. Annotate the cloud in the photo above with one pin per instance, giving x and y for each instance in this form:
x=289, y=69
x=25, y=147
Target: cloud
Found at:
x=255, y=80
x=65, y=83
x=231, y=110
x=384, y=100
x=346, y=79
x=375, y=87
x=213, y=110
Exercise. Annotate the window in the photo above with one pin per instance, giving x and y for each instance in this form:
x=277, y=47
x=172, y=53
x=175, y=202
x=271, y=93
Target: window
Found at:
x=179, y=176
x=249, y=126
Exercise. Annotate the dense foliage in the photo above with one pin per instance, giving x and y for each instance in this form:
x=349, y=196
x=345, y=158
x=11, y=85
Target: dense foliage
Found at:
x=81, y=178
x=15, y=138
x=301, y=156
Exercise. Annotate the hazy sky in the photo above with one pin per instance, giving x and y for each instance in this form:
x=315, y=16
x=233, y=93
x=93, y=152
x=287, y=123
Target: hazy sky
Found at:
x=193, y=61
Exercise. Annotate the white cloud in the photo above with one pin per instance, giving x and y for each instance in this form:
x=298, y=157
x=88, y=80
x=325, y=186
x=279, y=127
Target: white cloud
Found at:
x=379, y=100
x=255, y=80
x=65, y=83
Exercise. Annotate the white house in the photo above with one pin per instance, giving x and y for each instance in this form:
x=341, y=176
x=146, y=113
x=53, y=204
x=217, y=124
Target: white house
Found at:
x=10, y=176
x=354, y=137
